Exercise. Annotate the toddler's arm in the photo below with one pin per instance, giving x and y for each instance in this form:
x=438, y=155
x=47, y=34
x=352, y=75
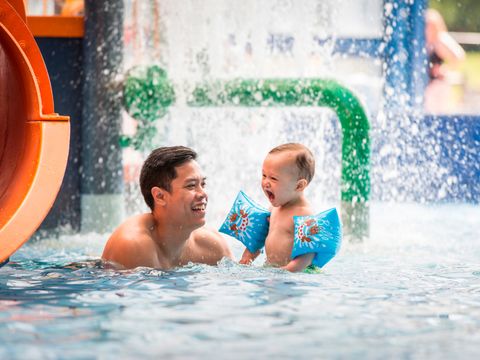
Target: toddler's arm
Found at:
x=248, y=257
x=299, y=263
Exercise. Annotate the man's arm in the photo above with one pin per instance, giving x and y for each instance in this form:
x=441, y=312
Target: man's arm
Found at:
x=209, y=247
x=299, y=263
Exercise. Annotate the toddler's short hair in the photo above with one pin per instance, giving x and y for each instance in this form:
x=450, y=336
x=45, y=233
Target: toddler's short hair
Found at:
x=304, y=160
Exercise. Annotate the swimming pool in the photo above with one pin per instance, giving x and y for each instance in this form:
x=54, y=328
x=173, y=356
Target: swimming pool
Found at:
x=412, y=291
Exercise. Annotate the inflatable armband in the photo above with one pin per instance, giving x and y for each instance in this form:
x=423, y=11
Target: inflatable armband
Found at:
x=321, y=234
x=247, y=222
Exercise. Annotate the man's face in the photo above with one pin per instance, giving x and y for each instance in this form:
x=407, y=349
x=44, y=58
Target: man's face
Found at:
x=187, y=201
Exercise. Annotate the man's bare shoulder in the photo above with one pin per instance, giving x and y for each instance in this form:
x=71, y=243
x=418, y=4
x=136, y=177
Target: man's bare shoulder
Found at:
x=134, y=229
x=130, y=245
x=205, y=236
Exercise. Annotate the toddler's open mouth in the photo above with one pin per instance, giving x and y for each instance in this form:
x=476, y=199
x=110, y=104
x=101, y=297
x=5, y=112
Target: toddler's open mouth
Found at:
x=270, y=195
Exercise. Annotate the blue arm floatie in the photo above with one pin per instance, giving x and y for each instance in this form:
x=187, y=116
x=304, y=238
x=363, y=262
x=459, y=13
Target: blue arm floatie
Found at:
x=247, y=222
x=321, y=234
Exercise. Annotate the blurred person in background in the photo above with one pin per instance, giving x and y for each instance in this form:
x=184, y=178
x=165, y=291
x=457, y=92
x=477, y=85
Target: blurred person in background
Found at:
x=69, y=7
x=442, y=48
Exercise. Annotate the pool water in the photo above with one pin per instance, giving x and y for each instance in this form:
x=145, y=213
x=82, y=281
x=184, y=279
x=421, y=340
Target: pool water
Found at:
x=412, y=291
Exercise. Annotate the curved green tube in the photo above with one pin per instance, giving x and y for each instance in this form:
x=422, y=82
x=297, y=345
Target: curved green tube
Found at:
x=355, y=185
x=147, y=98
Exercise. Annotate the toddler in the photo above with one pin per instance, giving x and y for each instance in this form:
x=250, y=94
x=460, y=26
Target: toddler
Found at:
x=287, y=171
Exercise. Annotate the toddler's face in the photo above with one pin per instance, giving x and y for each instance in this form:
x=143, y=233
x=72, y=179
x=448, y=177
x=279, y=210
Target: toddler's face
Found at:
x=279, y=178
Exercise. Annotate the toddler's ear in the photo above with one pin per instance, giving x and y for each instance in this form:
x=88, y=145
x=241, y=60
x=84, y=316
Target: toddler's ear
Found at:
x=301, y=184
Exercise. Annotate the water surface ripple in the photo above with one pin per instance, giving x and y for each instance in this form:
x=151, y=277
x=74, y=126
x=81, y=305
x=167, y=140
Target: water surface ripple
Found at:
x=412, y=291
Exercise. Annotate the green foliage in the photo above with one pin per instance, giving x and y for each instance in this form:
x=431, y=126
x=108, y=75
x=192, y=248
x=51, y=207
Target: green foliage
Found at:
x=147, y=94
x=459, y=15
x=471, y=70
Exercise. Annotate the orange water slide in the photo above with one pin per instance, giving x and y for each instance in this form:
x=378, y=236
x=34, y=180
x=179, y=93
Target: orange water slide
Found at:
x=34, y=140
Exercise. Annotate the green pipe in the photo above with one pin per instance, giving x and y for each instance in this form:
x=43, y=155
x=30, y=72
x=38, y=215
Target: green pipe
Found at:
x=143, y=89
x=308, y=92
x=355, y=180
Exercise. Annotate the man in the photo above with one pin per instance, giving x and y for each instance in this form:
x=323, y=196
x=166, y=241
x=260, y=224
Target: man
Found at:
x=172, y=235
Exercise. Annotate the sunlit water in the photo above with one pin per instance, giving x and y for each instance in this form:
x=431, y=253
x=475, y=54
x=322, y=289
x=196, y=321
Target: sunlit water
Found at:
x=412, y=291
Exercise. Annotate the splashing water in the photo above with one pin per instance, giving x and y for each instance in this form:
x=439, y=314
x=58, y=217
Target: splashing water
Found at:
x=222, y=40
x=410, y=291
